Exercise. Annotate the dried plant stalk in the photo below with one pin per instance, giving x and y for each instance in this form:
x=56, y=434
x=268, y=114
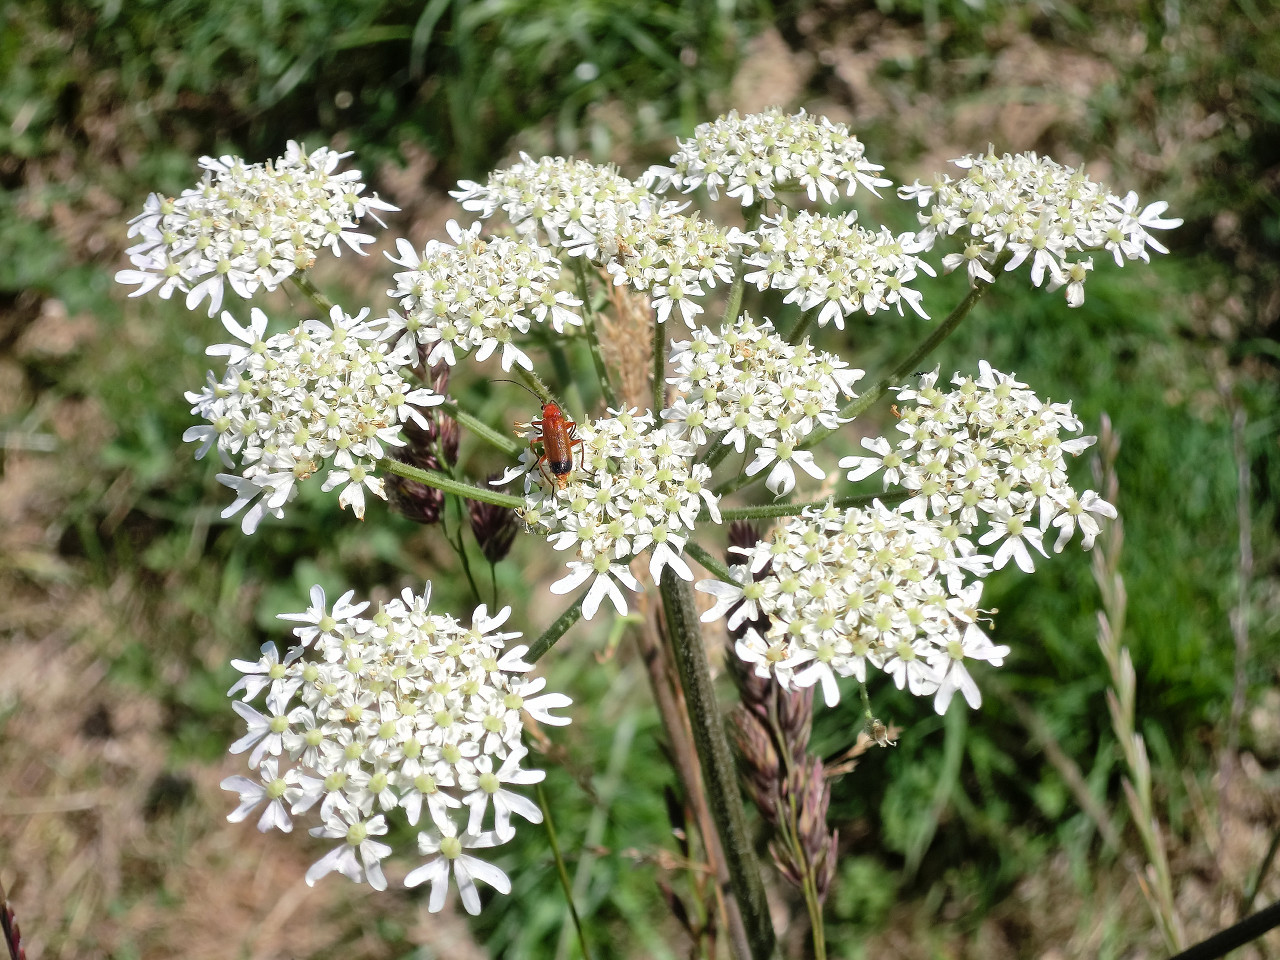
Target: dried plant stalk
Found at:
x=626, y=341
x=1156, y=881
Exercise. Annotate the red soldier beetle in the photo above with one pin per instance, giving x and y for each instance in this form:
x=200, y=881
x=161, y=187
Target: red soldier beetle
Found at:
x=558, y=436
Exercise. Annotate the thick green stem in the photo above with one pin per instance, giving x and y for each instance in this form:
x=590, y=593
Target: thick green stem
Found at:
x=911, y=362
x=312, y=292
x=716, y=760
x=508, y=445
x=593, y=334
x=719, y=450
x=433, y=478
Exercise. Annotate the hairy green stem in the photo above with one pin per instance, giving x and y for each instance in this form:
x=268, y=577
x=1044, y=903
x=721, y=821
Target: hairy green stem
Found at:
x=459, y=547
x=562, y=369
x=716, y=760
x=593, y=334
x=459, y=504
x=709, y=562
x=556, y=630
x=803, y=323
x=506, y=444
x=733, y=306
x=433, y=478
x=911, y=362
x=868, y=716
x=534, y=383
x=312, y=292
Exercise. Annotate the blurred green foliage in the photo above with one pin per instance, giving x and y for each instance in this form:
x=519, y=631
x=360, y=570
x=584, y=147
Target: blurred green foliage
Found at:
x=458, y=76
x=116, y=99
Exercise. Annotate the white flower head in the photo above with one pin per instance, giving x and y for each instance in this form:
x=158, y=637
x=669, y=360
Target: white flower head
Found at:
x=637, y=489
x=839, y=591
x=751, y=388
x=359, y=857
x=753, y=157
x=1039, y=212
x=451, y=861
x=476, y=296
x=834, y=266
x=248, y=226
x=551, y=195
x=991, y=452
x=677, y=259
x=379, y=717
x=324, y=394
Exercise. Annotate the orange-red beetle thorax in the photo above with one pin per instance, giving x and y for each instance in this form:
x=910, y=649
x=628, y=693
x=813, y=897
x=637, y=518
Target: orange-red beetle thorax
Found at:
x=558, y=435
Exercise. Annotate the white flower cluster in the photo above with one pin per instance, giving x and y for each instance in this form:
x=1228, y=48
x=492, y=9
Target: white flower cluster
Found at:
x=831, y=264
x=989, y=450
x=636, y=489
x=844, y=589
x=247, y=226
x=755, y=156
x=477, y=295
x=553, y=193
x=290, y=403
x=749, y=386
x=405, y=711
x=674, y=257
x=1039, y=210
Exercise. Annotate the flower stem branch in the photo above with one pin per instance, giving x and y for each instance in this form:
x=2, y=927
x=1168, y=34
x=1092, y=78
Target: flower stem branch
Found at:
x=904, y=368
x=803, y=323
x=556, y=630
x=659, y=367
x=312, y=292
x=709, y=562
x=593, y=334
x=733, y=306
x=433, y=478
x=508, y=445
x=716, y=761
x=534, y=383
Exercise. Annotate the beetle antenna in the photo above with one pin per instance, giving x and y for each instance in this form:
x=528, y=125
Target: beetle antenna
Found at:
x=523, y=386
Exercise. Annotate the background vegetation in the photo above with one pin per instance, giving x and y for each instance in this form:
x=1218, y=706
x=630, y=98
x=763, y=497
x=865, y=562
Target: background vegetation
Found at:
x=123, y=595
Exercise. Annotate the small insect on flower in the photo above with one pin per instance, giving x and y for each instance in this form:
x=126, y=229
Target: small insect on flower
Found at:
x=557, y=435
